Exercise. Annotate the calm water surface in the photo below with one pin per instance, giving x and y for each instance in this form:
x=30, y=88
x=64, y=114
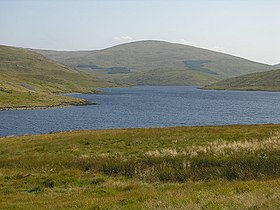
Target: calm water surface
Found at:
x=147, y=106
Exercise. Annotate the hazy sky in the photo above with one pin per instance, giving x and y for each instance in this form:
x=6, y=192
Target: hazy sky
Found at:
x=247, y=28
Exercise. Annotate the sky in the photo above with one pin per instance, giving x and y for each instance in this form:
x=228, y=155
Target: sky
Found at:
x=245, y=28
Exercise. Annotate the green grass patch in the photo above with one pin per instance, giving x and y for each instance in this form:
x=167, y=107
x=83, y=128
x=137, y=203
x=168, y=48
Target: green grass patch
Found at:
x=28, y=79
x=221, y=167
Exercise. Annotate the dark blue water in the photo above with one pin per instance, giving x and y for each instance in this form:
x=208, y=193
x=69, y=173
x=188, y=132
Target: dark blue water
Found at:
x=147, y=106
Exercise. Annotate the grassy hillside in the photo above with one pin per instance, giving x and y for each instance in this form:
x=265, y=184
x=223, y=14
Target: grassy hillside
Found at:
x=223, y=167
x=269, y=81
x=158, y=63
x=29, y=79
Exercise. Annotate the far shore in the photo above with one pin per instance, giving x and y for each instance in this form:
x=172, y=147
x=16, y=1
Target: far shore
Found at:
x=66, y=105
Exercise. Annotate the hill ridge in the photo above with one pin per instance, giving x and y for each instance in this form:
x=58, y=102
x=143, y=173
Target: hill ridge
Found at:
x=154, y=62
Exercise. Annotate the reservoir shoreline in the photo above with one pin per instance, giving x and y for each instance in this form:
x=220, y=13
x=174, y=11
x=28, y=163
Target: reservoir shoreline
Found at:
x=145, y=107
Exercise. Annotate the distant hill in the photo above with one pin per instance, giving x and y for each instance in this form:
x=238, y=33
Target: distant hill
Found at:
x=277, y=65
x=157, y=63
x=269, y=81
x=30, y=79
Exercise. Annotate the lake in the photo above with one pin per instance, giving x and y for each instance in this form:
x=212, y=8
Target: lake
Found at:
x=148, y=106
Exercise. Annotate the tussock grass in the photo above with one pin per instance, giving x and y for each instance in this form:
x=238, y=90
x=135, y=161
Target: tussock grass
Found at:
x=162, y=168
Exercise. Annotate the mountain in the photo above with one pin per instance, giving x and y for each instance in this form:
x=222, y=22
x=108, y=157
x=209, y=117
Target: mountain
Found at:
x=277, y=65
x=269, y=81
x=157, y=63
x=29, y=79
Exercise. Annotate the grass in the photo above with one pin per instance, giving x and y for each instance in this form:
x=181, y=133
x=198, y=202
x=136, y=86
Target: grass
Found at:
x=262, y=81
x=158, y=63
x=222, y=167
x=34, y=99
x=28, y=79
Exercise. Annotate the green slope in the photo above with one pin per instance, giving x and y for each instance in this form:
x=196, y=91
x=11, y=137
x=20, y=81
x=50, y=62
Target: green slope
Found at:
x=29, y=79
x=269, y=81
x=157, y=63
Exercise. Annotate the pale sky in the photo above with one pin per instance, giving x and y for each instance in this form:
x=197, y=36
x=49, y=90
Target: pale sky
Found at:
x=246, y=28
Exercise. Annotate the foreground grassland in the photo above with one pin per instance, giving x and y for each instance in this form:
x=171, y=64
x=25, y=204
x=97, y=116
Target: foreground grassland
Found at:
x=223, y=167
x=28, y=79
